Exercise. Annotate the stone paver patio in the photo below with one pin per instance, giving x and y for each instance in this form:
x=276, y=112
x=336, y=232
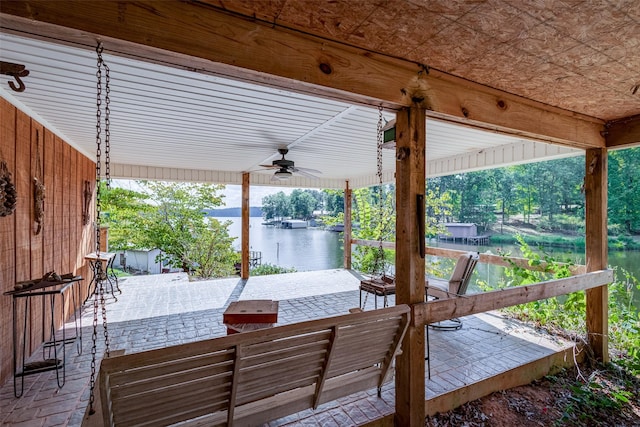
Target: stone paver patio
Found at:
x=162, y=310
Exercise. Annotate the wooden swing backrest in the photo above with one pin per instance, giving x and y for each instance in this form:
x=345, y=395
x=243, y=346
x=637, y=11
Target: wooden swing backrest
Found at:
x=253, y=377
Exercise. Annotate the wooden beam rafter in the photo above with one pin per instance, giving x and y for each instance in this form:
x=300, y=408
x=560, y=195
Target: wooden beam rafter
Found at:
x=244, y=48
x=623, y=133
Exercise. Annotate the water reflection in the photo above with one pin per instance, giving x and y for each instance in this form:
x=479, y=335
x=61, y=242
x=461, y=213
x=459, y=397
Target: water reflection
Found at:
x=314, y=249
x=304, y=249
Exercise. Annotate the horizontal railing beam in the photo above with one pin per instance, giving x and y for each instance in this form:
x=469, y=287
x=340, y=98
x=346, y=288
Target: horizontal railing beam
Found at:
x=484, y=258
x=444, y=309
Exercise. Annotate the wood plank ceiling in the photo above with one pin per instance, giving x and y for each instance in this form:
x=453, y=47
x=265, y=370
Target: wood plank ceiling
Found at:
x=173, y=123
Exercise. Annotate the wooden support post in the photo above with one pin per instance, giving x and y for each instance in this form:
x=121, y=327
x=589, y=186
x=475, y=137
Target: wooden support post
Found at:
x=244, y=273
x=347, y=226
x=595, y=189
x=410, y=184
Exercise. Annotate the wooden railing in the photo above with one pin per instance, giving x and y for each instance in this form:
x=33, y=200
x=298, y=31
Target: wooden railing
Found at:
x=437, y=310
x=484, y=258
x=443, y=309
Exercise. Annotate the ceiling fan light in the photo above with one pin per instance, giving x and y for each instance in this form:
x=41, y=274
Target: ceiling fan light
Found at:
x=282, y=175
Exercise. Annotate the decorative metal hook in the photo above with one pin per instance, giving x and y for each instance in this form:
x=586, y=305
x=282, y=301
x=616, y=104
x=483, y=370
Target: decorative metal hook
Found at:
x=16, y=71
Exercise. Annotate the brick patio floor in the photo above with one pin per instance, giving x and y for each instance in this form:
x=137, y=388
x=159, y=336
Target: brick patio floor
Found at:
x=160, y=310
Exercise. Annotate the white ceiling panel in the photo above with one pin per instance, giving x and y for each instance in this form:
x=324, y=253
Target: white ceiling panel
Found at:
x=170, y=119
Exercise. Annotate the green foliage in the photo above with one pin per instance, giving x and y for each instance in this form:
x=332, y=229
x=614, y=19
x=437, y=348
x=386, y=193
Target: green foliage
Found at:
x=170, y=217
x=212, y=253
x=568, y=312
x=334, y=202
x=276, y=206
x=548, y=193
x=300, y=204
x=374, y=209
x=624, y=197
x=329, y=220
x=303, y=203
x=588, y=400
x=624, y=320
x=121, y=210
x=178, y=220
x=266, y=269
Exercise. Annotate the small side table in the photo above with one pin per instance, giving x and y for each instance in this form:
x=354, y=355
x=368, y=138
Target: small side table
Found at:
x=28, y=290
x=250, y=315
x=107, y=259
x=382, y=287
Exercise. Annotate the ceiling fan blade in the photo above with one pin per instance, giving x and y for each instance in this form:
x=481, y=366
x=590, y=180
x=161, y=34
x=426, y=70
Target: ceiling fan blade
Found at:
x=304, y=173
x=297, y=169
x=270, y=166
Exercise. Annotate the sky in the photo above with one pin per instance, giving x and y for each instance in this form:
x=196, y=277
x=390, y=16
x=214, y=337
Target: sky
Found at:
x=232, y=193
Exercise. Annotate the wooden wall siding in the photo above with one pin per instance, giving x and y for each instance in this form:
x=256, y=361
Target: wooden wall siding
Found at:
x=63, y=240
x=7, y=238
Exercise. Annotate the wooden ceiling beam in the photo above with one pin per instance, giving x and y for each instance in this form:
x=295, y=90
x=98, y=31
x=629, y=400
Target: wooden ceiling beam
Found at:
x=200, y=37
x=623, y=133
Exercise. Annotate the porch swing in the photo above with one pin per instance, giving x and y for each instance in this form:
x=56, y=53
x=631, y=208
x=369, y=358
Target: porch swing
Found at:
x=173, y=385
x=380, y=282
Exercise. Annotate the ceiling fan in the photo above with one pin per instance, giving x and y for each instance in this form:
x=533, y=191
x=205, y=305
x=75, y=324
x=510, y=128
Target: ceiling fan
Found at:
x=286, y=168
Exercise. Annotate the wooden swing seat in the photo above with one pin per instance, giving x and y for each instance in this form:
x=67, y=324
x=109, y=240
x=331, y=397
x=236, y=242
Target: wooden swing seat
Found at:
x=251, y=378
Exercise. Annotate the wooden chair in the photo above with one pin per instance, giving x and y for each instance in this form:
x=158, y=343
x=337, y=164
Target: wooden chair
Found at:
x=251, y=378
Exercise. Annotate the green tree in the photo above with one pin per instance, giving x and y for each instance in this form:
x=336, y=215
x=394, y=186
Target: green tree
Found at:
x=302, y=204
x=318, y=197
x=471, y=196
x=177, y=224
x=334, y=202
x=121, y=210
x=212, y=254
x=624, y=193
x=276, y=206
x=374, y=211
x=526, y=190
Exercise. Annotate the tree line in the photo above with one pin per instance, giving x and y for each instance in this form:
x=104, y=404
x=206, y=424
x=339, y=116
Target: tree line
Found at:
x=548, y=194
x=302, y=204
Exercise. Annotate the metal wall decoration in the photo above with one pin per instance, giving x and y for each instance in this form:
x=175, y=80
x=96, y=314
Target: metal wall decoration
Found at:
x=38, y=203
x=86, y=201
x=8, y=193
x=38, y=189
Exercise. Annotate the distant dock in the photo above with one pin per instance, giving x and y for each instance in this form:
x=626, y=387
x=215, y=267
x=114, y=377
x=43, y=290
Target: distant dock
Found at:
x=466, y=233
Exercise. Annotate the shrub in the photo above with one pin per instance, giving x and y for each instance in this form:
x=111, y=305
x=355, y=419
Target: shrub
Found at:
x=568, y=312
x=267, y=269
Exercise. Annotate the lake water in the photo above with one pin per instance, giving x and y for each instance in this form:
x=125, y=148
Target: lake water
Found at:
x=305, y=249
x=315, y=249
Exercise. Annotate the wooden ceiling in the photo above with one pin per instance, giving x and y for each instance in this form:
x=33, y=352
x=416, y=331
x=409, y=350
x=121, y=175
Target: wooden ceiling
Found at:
x=582, y=56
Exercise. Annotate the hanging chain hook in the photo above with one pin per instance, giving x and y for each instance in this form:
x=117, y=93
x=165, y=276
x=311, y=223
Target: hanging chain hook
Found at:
x=16, y=71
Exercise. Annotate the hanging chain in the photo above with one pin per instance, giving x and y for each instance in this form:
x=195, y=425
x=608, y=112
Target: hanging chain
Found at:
x=378, y=266
x=99, y=274
x=94, y=335
x=107, y=133
x=107, y=167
